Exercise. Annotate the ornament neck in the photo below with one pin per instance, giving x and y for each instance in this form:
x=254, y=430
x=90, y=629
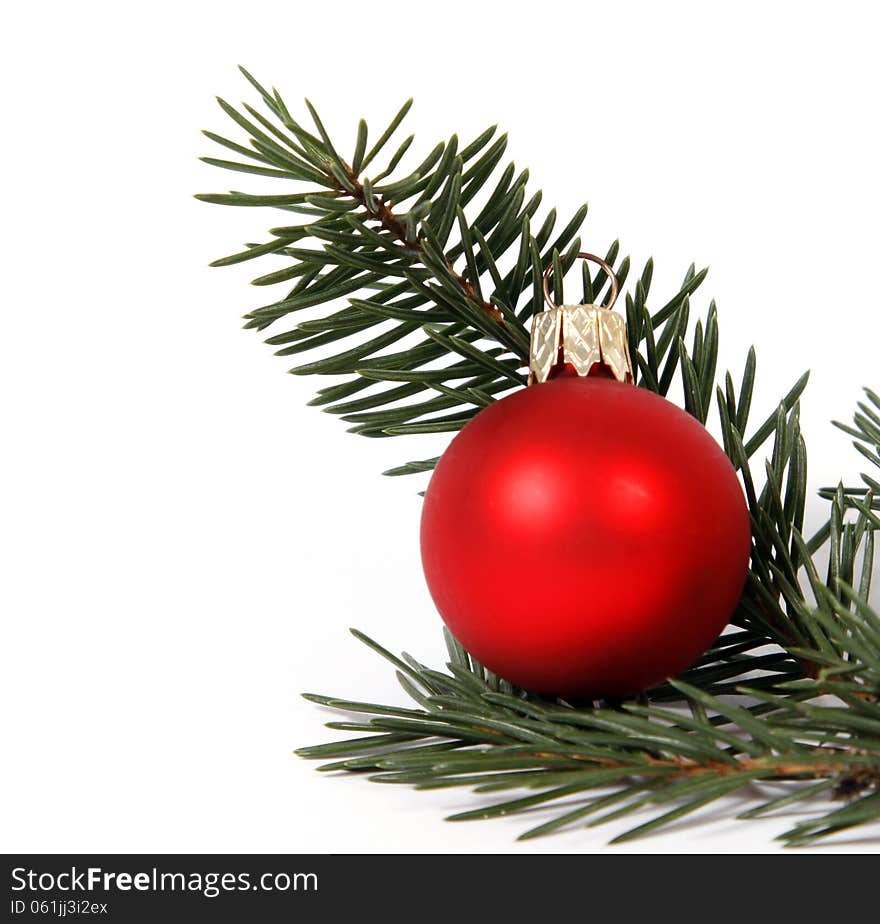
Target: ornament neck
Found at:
x=579, y=336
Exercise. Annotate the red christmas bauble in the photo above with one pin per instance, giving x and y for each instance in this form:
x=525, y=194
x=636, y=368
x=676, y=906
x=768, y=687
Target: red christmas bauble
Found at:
x=585, y=538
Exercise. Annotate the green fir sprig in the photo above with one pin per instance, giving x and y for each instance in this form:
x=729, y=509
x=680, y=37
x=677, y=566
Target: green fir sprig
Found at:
x=434, y=270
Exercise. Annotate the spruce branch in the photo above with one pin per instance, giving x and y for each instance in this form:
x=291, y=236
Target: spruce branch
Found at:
x=410, y=257
x=473, y=729
x=434, y=271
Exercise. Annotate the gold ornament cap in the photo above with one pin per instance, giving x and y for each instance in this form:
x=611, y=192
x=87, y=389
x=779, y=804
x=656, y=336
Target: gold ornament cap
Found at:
x=579, y=335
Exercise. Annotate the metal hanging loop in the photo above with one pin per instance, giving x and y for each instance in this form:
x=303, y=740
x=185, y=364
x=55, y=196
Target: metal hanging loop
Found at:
x=583, y=255
x=578, y=337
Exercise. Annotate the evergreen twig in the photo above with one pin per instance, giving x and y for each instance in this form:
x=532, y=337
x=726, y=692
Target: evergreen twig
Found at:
x=441, y=272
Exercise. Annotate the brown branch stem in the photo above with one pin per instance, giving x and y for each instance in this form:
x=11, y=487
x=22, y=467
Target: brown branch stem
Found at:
x=866, y=774
x=392, y=224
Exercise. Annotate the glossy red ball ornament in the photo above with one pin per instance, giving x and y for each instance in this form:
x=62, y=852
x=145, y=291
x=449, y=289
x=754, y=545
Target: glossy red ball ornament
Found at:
x=585, y=538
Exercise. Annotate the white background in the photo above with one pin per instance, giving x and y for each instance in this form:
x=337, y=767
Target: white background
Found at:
x=184, y=542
